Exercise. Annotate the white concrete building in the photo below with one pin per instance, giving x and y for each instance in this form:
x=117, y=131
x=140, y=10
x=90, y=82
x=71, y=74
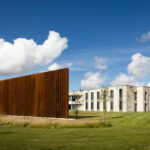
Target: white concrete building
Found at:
x=120, y=99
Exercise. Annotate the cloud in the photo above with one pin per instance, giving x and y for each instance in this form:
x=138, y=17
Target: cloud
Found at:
x=23, y=55
x=148, y=84
x=123, y=79
x=139, y=66
x=56, y=66
x=145, y=37
x=100, y=63
x=91, y=80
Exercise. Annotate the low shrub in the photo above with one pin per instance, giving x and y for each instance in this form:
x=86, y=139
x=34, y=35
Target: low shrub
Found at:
x=99, y=125
x=50, y=123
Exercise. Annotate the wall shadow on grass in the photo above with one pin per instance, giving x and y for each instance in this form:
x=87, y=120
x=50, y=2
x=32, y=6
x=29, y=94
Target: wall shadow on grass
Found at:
x=81, y=117
x=6, y=132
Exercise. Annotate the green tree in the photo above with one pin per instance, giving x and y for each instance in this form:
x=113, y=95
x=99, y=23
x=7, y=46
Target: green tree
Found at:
x=105, y=98
x=77, y=98
x=129, y=100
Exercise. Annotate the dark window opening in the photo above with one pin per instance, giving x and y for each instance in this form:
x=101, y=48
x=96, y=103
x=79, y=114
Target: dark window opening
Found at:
x=145, y=95
x=145, y=109
x=120, y=93
x=69, y=107
x=111, y=94
x=70, y=98
x=92, y=106
x=120, y=99
x=98, y=106
x=98, y=95
x=135, y=95
x=92, y=95
x=111, y=100
x=86, y=96
x=135, y=107
x=111, y=105
x=120, y=105
x=86, y=106
x=73, y=98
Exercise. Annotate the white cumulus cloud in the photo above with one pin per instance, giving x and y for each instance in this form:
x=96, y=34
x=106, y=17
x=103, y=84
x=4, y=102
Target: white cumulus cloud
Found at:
x=123, y=79
x=56, y=66
x=145, y=37
x=139, y=66
x=148, y=84
x=91, y=80
x=23, y=55
x=100, y=63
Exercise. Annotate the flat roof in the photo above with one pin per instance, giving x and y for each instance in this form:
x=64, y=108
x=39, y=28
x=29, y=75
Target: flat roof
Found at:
x=110, y=86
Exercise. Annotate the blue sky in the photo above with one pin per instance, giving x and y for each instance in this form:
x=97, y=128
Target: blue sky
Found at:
x=109, y=29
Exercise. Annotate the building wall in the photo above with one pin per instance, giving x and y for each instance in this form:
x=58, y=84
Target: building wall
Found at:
x=129, y=101
x=80, y=104
x=44, y=94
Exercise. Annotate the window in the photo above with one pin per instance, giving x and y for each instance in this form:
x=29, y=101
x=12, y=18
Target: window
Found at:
x=86, y=105
x=92, y=95
x=104, y=101
x=92, y=106
x=98, y=105
x=92, y=99
x=120, y=99
x=111, y=105
x=70, y=98
x=135, y=107
x=73, y=98
x=111, y=94
x=86, y=96
x=135, y=103
x=98, y=100
x=135, y=96
x=145, y=109
x=120, y=93
x=145, y=96
x=98, y=95
x=111, y=100
x=69, y=107
x=120, y=105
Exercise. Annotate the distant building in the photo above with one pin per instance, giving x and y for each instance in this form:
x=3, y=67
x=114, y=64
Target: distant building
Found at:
x=120, y=99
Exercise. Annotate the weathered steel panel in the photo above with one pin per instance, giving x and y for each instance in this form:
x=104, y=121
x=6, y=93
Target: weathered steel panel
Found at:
x=44, y=95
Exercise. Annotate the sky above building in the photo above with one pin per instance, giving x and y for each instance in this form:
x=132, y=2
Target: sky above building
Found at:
x=103, y=42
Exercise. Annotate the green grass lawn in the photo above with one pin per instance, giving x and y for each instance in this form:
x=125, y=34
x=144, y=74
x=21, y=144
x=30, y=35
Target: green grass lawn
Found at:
x=128, y=132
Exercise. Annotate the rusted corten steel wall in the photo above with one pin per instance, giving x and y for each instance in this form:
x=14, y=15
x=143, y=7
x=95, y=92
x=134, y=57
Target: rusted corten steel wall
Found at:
x=44, y=95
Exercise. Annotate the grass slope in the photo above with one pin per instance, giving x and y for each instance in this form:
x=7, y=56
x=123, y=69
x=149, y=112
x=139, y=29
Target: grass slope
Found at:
x=126, y=119
x=129, y=132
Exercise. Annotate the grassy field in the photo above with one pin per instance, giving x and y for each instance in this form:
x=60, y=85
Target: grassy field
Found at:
x=128, y=132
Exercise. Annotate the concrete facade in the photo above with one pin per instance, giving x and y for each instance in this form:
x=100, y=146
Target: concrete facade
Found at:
x=119, y=99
